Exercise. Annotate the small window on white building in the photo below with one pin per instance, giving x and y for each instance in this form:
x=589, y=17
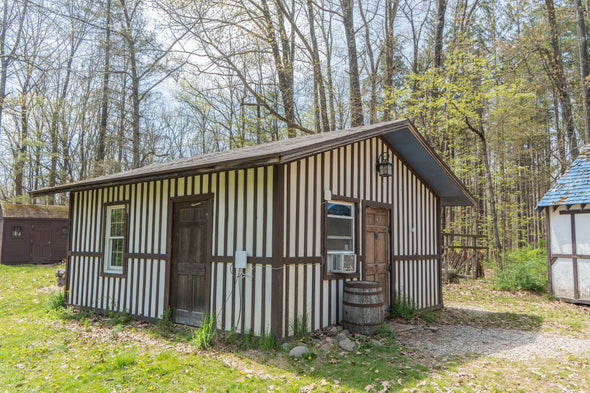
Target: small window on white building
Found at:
x=340, y=246
x=340, y=227
x=114, y=239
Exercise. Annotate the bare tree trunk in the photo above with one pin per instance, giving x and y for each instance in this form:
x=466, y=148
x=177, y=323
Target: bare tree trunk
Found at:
x=19, y=164
x=57, y=115
x=391, y=7
x=560, y=81
x=441, y=9
x=356, y=103
x=121, y=134
x=282, y=50
x=6, y=57
x=559, y=134
x=318, y=80
x=327, y=35
x=104, y=101
x=583, y=50
x=135, y=76
x=492, y=200
x=372, y=69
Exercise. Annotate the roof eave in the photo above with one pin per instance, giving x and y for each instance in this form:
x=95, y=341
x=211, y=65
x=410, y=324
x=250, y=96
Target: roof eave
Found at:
x=158, y=175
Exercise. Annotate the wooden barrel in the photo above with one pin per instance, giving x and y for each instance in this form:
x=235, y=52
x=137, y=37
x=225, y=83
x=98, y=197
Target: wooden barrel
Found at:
x=362, y=306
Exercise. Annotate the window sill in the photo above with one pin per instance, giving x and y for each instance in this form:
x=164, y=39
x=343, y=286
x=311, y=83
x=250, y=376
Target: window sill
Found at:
x=113, y=273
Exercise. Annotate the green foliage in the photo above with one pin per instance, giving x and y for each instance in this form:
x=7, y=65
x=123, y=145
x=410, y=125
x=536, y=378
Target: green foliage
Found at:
x=428, y=316
x=268, y=342
x=403, y=307
x=526, y=269
x=120, y=318
x=57, y=301
x=299, y=326
x=385, y=332
x=248, y=340
x=203, y=337
x=309, y=356
x=124, y=359
x=165, y=324
x=77, y=315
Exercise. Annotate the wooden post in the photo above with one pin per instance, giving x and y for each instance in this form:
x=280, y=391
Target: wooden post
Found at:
x=474, y=261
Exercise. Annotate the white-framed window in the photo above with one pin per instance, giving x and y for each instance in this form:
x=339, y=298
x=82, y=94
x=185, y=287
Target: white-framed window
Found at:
x=340, y=227
x=114, y=239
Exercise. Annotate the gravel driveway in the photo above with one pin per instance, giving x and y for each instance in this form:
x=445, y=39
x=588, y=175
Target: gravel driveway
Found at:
x=508, y=344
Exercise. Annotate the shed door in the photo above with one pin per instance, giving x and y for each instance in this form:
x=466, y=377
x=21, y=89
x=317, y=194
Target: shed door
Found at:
x=377, y=253
x=189, y=292
x=41, y=242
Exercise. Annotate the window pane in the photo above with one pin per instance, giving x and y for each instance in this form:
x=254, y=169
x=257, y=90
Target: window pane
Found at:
x=339, y=244
x=117, y=221
x=118, y=214
x=338, y=209
x=117, y=229
x=17, y=231
x=117, y=252
x=115, y=238
x=337, y=226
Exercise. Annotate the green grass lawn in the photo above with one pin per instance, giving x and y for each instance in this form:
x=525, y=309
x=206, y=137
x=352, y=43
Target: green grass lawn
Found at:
x=47, y=350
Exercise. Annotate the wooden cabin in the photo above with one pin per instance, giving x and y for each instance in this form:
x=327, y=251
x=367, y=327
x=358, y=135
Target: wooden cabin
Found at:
x=264, y=235
x=33, y=233
x=567, y=219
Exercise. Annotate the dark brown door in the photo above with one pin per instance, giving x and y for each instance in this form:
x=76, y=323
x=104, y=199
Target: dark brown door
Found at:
x=189, y=289
x=41, y=242
x=377, y=253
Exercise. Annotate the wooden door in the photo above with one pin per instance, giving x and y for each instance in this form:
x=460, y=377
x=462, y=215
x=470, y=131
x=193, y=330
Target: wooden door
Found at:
x=377, y=252
x=189, y=286
x=41, y=242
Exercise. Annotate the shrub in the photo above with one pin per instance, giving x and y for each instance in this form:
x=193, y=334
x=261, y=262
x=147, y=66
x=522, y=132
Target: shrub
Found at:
x=299, y=325
x=268, y=342
x=265, y=342
x=120, y=318
x=403, y=307
x=428, y=316
x=525, y=269
x=57, y=301
x=165, y=324
x=385, y=332
x=203, y=337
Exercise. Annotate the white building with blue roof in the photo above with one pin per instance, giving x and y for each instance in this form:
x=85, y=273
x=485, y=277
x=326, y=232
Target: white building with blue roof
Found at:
x=567, y=212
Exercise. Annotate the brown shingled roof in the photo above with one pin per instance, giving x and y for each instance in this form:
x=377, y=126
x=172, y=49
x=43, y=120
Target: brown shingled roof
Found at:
x=401, y=134
x=9, y=210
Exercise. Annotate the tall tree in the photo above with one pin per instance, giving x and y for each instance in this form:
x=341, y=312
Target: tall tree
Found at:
x=356, y=102
x=391, y=7
x=7, y=51
x=558, y=77
x=104, y=99
x=441, y=9
x=583, y=50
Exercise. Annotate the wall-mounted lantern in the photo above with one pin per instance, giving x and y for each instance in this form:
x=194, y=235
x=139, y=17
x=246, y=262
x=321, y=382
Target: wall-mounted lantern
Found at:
x=384, y=166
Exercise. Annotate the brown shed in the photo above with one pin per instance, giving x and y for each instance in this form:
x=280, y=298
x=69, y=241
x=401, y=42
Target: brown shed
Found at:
x=265, y=235
x=33, y=233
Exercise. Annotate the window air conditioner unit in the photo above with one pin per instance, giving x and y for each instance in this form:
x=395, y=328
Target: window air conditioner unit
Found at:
x=342, y=263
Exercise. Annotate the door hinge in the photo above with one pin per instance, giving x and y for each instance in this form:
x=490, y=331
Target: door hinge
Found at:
x=388, y=268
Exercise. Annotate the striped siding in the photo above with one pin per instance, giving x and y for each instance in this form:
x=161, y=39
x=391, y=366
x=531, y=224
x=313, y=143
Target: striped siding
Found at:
x=88, y=289
x=242, y=220
x=349, y=172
